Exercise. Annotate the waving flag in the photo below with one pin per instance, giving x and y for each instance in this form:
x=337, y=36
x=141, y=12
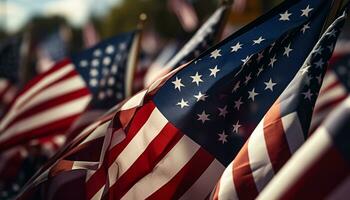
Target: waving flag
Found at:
x=50, y=103
x=283, y=129
x=174, y=139
x=205, y=37
x=320, y=169
x=335, y=89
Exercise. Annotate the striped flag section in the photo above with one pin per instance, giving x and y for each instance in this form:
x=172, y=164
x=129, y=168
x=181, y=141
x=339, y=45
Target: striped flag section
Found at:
x=320, y=169
x=47, y=105
x=334, y=90
x=282, y=131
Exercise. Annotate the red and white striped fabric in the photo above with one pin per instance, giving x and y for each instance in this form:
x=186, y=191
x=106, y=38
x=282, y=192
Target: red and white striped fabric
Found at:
x=332, y=93
x=47, y=105
x=7, y=92
x=320, y=169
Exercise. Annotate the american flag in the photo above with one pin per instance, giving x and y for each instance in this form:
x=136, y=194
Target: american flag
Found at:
x=205, y=37
x=320, y=169
x=335, y=89
x=175, y=138
x=283, y=129
x=53, y=100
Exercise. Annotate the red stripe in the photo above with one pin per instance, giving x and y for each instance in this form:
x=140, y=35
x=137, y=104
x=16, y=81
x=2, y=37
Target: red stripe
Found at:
x=50, y=104
x=186, y=177
x=71, y=74
x=242, y=175
x=35, y=80
x=333, y=102
x=320, y=178
x=139, y=120
x=275, y=139
x=58, y=125
x=145, y=163
x=97, y=180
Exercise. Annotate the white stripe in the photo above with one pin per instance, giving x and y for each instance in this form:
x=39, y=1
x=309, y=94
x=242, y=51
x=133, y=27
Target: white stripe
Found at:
x=85, y=165
x=44, y=82
x=293, y=131
x=100, y=131
x=205, y=183
x=48, y=116
x=227, y=189
x=318, y=117
x=59, y=89
x=329, y=79
x=165, y=170
x=135, y=101
x=142, y=139
x=259, y=159
x=330, y=95
x=341, y=191
x=306, y=156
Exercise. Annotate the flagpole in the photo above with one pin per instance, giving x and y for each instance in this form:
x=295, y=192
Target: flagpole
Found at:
x=134, y=55
x=227, y=4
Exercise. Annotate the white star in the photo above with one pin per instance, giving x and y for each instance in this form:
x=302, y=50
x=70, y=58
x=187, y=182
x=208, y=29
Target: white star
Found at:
x=333, y=33
x=236, y=47
x=261, y=69
x=235, y=88
x=272, y=61
x=95, y=63
x=97, y=53
x=305, y=27
x=106, y=61
x=247, y=78
x=236, y=127
x=320, y=63
x=182, y=103
x=203, y=117
x=258, y=41
x=109, y=49
x=318, y=50
x=330, y=47
x=308, y=79
x=269, y=85
x=307, y=95
x=215, y=53
x=83, y=63
x=287, y=50
x=178, y=84
x=200, y=96
x=213, y=71
x=305, y=69
x=93, y=72
x=196, y=78
x=246, y=60
x=252, y=94
x=238, y=103
x=306, y=11
x=285, y=16
x=223, y=111
x=93, y=82
x=222, y=137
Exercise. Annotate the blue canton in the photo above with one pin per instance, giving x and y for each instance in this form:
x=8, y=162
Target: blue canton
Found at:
x=103, y=67
x=219, y=98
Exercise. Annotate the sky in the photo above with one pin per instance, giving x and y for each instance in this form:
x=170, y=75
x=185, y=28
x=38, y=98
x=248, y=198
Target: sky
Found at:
x=14, y=14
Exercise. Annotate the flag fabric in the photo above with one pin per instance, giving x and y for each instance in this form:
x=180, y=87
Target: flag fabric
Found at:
x=175, y=138
x=88, y=82
x=52, y=101
x=335, y=89
x=283, y=129
x=320, y=169
x=205, y=37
